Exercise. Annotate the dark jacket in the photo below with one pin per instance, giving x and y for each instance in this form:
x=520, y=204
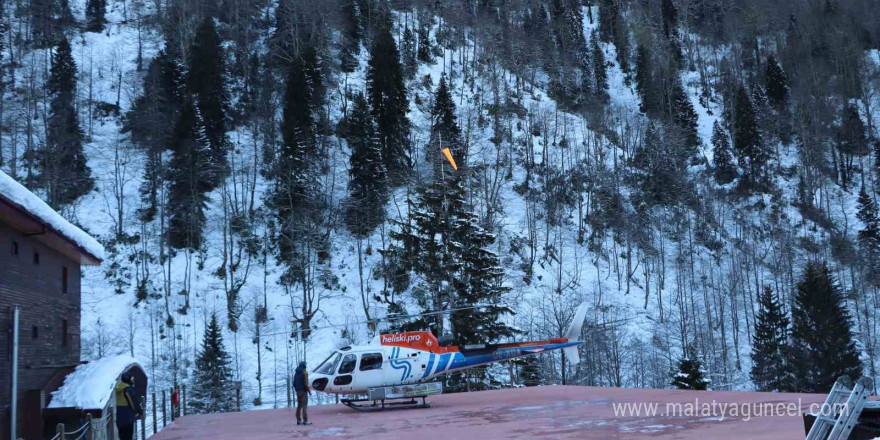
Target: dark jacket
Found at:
x=128, y=408
x=301, y=379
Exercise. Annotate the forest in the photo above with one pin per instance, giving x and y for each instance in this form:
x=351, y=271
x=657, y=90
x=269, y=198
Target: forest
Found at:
x=267, y=178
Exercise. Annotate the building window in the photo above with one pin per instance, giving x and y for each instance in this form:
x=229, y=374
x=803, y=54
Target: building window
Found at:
x=64, y=280
x=15, y=248
x=64, y=333
x=35, y=332
x=36, y=258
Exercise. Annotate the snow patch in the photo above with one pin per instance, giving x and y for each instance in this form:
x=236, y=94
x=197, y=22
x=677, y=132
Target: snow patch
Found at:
x=91, y=385
x=21, y=196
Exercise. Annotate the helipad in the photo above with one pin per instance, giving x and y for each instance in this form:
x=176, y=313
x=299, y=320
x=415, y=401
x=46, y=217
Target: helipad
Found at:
x=553, y=412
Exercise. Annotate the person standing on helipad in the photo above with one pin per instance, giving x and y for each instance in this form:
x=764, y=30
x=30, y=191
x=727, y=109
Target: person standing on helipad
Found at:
x=301, y=385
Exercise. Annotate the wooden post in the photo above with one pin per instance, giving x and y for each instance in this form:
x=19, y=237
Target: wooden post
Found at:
x=287, y=381
x=111, y=424
x=155, y=424
x=163, y=409
x=183, y=402
x=91, y=429
x=59, y=429
x=143, y=418
x=238, y=396
x=172, y=404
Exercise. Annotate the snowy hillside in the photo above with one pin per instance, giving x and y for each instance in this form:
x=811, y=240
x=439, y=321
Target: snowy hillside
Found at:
x=560, y=186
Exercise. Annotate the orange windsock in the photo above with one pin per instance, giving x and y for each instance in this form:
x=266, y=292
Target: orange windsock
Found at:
x=448, y=155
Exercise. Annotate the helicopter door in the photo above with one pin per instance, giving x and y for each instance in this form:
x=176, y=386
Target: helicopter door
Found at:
x=343, y=377
x=370, y=372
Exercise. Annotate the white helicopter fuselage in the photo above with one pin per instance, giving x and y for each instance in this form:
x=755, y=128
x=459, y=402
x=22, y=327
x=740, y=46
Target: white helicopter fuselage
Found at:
x=407, y=358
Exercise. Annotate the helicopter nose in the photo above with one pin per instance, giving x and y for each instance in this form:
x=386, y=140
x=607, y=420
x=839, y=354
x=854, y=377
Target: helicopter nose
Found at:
x=319, y=381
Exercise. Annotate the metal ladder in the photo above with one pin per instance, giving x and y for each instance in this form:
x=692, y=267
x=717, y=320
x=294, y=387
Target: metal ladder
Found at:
x=842, y=409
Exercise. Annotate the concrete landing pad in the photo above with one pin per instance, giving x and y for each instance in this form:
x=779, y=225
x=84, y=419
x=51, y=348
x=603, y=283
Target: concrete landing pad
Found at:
x=553, y=412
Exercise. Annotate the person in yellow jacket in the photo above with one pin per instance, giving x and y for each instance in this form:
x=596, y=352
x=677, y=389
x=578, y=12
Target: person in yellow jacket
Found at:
x=128, y=409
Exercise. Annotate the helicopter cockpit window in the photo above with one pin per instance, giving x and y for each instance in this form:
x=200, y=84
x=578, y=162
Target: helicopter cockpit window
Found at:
x=348, y=363
x=371, y=361
x=329, y=364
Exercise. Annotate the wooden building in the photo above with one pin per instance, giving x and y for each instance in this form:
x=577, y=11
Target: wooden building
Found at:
x=40, y=259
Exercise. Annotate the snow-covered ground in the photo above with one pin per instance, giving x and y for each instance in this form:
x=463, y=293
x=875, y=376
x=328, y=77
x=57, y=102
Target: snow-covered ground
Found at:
x=114, y=323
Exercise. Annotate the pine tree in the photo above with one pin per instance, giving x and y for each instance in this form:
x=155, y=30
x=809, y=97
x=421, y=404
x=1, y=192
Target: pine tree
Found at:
x=600, y=74
x=366, y=185
x=62, y=165
x=212, y=376
x=770, y=368
x=190, y=181
x=725, y=170
x=409, y=53
x=659, y=169
x=389, y=104
x=645, y=86
x=44, y=25
x=96, y=11
x=425, y=51
x=851, y=141
x=823, y=347
x=445, y=132
x=685, y=117
x=869, y=236
x=690, y=374
x=296, y=188
x=776, y=82
x=206, y=82
x=748, y=141
x=351, y=36
x=151, y=122
x=670, y=18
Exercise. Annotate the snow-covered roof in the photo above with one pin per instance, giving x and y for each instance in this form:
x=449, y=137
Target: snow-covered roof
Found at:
x=26, y=200
x=91, y=385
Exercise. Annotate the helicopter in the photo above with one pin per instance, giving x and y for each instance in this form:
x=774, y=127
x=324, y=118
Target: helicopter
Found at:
x=403, y=365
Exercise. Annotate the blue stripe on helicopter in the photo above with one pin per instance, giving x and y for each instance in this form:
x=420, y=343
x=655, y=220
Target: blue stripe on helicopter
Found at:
x=443, y=363
x=430, y=365
x=462, y=361
x=398, y=364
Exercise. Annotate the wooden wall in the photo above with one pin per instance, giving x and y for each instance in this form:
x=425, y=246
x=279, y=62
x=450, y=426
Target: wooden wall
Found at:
x=38, y=289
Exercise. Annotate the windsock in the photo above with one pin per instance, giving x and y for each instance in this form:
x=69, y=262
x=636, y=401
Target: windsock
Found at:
x=448, y=155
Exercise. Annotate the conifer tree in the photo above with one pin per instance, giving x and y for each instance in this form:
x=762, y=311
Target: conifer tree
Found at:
x=212, y=376
x=823, y=347
x=869, y=235
x=600, y=74
x=389, y=104
x=425, y=50
x=685, y=117
x=851, y=141
x=151, y=122
x=62, y=166
x=366, y=185
x=44, y=25
x=409, y=53
x=190, y=181
x=659, y=169
x=770, y=368
x=748, y=141
x=776, y=82
x=96, y=11
x=445, y=132
x=725, y=170
x=351, y=36
x=670, y=18
x=645, y=86
x=690, y=374
x=295, y=194
x=206, y=82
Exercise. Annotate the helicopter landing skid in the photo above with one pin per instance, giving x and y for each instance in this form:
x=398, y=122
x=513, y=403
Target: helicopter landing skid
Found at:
x=383, y=405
